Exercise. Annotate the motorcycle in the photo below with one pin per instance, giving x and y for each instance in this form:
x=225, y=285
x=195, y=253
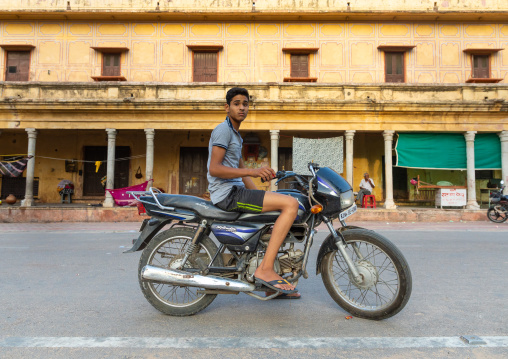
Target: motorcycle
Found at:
x=181, y=269
x=498, y=211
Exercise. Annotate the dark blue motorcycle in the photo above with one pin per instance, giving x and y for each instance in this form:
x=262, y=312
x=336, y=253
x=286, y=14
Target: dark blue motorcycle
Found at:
x=182, y=270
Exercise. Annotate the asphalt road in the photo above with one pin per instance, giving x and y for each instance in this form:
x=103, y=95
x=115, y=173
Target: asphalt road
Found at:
x=68, y=294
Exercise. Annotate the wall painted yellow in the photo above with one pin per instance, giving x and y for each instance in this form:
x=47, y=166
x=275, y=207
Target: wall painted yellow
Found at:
x=253, y=51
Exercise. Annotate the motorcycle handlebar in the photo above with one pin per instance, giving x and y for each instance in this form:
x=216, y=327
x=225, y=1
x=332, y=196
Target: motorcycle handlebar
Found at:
x=278, y=175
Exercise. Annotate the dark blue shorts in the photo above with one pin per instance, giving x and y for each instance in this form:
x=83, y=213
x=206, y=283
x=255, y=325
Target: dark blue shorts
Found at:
x=241, y=199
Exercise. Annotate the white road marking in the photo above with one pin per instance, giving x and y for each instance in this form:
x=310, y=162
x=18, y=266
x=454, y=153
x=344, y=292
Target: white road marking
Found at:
x=251, y=343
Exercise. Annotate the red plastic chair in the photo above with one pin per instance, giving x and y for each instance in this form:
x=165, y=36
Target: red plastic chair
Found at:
x=369, y=201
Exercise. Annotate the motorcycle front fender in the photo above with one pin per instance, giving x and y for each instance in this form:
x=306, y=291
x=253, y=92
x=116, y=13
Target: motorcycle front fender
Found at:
x=329, y=246
x=149, y=228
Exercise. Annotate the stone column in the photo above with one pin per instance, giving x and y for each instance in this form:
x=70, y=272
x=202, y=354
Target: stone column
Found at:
x=30, y=169
x=471, y=179
x=274, y=151
x=389, y=203
x=503, y=136
x=110, y=174
x=150, y=134
x=350, y=134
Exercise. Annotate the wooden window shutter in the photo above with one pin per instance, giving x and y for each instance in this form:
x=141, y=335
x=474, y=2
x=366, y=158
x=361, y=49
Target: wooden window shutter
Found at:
x=205, y=67
x=481, y=66
x=394, y=66
x=299, y=65
x=18, y=66
x=111, y=64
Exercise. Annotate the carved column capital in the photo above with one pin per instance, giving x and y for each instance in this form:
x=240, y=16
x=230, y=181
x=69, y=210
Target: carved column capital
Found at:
x=503, y=136
x=32, y=132
x=350, y=134
x=469, y=135
x=111, y=132
x=388, y=135
x=274, y=134
x=150, y=133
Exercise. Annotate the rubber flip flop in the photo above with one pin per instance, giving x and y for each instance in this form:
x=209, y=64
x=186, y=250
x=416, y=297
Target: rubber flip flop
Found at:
x=287, y=296
x=271, y=285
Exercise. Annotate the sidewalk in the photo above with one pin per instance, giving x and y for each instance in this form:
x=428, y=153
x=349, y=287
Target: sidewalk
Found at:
x=133, y=227
x=80, y=213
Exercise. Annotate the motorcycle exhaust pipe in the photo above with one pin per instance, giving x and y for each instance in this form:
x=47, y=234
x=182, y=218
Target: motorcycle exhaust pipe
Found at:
x=178, y=277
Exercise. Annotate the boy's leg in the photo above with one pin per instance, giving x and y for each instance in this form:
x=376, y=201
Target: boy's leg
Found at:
x=288, y=206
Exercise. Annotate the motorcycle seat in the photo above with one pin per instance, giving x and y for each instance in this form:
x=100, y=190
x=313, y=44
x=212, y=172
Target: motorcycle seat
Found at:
x=202, y=207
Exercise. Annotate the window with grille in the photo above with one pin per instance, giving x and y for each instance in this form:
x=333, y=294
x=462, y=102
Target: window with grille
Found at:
x=481, y=68
x=394, y=67
x=205, y=67
x=18, y=66
x=111, y=64
x=299, y=65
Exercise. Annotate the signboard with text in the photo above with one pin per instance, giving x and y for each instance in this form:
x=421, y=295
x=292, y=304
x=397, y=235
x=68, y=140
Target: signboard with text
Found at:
x=449, y=197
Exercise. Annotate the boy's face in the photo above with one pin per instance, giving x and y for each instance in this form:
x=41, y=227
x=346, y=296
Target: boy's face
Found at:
x=238, y=108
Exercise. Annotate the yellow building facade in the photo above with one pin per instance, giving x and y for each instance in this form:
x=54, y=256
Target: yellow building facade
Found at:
x=161, y=114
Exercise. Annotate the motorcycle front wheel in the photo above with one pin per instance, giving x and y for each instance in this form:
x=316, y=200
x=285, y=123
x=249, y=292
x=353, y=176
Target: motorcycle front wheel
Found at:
x=386, y=278
x=497, y=213
x=166, y=250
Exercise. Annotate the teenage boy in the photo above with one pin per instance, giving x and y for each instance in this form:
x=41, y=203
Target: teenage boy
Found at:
x=232, y=189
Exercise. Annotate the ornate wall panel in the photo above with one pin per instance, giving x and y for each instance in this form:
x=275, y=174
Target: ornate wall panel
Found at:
x=347, y=51
x=173, y=53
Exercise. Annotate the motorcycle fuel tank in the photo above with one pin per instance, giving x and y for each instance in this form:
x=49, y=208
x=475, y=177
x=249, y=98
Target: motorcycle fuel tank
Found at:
x=235, y=234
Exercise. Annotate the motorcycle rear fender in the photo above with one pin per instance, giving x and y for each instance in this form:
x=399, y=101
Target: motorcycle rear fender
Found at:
x=330, y=246
x=150, y=228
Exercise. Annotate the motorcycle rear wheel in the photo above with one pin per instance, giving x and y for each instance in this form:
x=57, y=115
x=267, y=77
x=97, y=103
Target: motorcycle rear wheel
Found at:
x=497, y=213
x=165, y=250
x=387, y=281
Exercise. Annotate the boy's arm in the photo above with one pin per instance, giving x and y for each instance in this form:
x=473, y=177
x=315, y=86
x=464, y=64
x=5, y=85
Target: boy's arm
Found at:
x=217, y=169
x=247, y=181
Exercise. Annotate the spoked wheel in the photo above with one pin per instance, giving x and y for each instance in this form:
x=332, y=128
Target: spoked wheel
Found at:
x=386, y=279
x=497, y=213
x=166, y=250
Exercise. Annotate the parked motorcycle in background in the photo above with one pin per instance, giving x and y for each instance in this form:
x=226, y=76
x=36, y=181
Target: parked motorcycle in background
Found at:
x=498, y=211
x=182, y=270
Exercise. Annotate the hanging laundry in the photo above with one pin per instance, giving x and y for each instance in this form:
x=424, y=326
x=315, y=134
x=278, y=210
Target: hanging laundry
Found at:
x=13, y=168
x=97, y=166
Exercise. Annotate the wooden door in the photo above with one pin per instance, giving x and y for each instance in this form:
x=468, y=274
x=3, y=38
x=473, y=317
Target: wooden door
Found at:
x=299, y=65
x=205, y=67
x=285, y=162
x=481, y=67
x=18, y=66
x=111, y=65
x=92, y=180
x=193, y=170
x=394, y=67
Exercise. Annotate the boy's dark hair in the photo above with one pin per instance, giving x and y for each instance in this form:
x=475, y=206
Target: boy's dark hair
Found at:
x=236, y=91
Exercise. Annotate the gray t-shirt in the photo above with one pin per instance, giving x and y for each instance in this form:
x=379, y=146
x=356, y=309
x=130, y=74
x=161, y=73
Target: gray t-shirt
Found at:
x=225, y=136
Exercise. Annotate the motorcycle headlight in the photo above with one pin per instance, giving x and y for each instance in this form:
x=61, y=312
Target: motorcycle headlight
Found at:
x=347, y=199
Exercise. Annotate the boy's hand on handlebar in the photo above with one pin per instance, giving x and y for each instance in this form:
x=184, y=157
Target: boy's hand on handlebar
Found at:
x=266, y=173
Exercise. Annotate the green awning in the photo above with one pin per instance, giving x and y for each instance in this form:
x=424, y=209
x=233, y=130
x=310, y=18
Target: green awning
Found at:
x=446, y=151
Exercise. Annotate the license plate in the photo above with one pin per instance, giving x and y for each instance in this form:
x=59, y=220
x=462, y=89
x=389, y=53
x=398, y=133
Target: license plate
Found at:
x=347, y=212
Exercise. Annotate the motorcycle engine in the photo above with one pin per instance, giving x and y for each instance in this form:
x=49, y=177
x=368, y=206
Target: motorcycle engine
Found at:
x=290, y=262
